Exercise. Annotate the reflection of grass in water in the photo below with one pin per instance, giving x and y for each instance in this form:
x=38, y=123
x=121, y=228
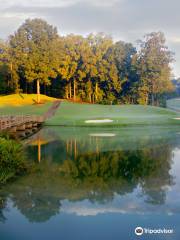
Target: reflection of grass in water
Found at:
x=88, y=139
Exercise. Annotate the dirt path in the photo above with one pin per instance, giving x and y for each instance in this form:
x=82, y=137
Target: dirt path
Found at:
x=52, y=110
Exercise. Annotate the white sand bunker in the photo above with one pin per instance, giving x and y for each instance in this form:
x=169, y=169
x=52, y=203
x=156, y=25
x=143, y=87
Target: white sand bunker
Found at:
x=99, y=121
x=176, y=118
x=102, y=135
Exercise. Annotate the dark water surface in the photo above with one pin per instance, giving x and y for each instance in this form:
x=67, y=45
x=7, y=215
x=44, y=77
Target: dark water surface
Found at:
x=94, y=183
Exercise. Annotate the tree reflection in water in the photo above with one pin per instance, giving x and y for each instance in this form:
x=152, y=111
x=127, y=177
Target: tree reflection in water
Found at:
x=68, y=171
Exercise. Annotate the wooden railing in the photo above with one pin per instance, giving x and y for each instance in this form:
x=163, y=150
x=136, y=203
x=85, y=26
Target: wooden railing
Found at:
x=8, y=121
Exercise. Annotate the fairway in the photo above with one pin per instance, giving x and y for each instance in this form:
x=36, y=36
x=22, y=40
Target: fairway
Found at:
x=74, y=114
x=173, y=104
x=77, y=114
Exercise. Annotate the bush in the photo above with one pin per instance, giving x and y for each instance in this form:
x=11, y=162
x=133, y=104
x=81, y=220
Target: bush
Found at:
x=12, y=159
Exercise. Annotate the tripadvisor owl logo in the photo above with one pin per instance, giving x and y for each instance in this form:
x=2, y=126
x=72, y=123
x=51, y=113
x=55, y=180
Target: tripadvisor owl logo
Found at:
x=139, y=231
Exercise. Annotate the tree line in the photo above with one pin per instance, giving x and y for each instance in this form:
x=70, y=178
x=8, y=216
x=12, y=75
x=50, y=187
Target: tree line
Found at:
x=94, y=68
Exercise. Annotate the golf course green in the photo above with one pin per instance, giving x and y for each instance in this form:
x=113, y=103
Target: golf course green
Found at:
x=83, y=114
x=74, y=114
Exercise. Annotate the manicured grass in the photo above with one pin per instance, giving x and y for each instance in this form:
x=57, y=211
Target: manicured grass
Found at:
x=26, y=109
x=173, y=104
x=74, y=114
x=22, y=99
x=16, y=104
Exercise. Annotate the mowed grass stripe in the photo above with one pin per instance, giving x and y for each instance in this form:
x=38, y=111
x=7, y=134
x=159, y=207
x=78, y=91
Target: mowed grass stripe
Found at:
x=74, y=114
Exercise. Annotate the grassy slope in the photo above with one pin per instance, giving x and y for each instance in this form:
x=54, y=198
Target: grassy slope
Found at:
x=23, y=104
x=174, y=104
x=73, y=114
x=22, y=99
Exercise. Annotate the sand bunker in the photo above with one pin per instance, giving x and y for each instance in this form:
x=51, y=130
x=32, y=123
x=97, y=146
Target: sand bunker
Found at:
x=99, y=121
x=102, y=135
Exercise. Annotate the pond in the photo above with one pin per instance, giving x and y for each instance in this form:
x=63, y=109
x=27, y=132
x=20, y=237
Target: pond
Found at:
x=96, y=183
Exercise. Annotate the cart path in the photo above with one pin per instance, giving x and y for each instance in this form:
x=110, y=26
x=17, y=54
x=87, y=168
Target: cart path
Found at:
x=52, y=110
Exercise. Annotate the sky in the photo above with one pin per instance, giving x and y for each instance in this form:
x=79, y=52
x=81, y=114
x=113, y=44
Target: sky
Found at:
x=127, y=20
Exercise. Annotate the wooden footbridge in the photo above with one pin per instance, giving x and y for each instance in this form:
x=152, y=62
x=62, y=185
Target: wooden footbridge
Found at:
x=26, y=125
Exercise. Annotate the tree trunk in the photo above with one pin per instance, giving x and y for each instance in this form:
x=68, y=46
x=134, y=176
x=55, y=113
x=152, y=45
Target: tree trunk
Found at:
x=93, y=98
x=152, y=99
x=70, y=90
x=147, y=99
x=90, y=98
x=38, y=92
x=96, y=92
x=39, y=150
x=152, y=94
x=74, y=90
x=90, y=91
x=67, y=92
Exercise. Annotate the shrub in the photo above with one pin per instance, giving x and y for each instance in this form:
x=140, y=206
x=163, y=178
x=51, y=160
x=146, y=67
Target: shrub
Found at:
x=12, y=159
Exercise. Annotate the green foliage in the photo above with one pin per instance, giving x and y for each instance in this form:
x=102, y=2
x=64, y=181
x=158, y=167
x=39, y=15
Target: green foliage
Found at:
x=93, y=68
x=4, y=68
x=33, y=48
x=12, y=160
x=154, y=68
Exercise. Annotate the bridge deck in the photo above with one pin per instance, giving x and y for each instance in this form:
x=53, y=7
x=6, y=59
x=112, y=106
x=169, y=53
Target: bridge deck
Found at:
x=8, y=121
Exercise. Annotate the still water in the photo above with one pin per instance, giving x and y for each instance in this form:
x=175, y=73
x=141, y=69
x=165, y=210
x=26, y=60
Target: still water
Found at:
x=92, y=183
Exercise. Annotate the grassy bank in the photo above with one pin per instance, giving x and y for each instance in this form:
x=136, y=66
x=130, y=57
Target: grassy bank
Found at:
x=74, y=114
x=22, y=99
x=173, y=104
x=24, y=104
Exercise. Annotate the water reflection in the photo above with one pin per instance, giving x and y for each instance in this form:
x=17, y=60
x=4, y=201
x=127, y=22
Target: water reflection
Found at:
x=2, y=206
x=89, y=174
